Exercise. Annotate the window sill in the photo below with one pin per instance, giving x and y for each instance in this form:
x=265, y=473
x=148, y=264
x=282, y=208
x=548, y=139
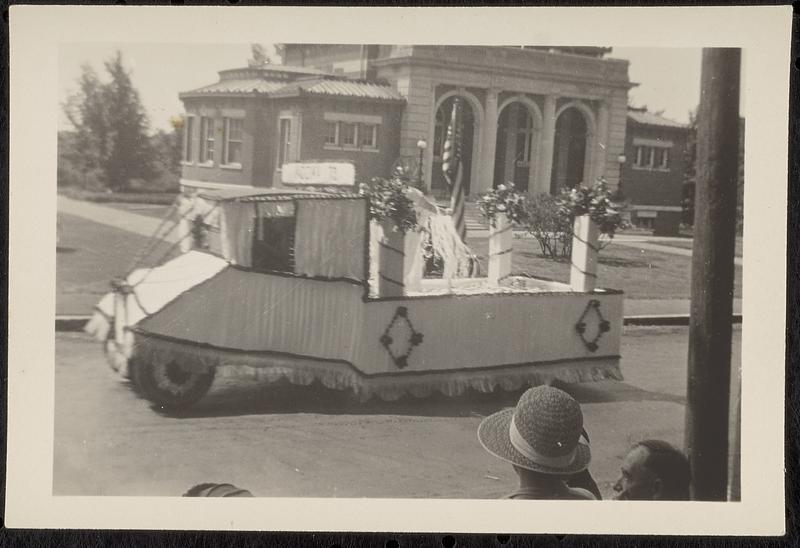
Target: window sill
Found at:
x=205, y=164
x=349, y=148
x=185, y=163
x=656, y=169
x=231, y=167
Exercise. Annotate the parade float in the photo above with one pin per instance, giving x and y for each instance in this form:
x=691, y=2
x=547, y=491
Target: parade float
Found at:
x=308, y=286
x=317, y=282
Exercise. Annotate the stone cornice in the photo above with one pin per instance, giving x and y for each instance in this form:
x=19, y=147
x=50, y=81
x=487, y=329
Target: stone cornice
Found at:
x=531, y=64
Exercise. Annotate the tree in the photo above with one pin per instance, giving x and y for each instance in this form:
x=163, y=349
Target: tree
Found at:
x=111, y=127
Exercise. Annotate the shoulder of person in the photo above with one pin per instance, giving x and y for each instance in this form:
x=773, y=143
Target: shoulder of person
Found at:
x=579, y=493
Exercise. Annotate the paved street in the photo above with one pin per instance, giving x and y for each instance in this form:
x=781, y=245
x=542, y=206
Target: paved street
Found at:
x=290, y=441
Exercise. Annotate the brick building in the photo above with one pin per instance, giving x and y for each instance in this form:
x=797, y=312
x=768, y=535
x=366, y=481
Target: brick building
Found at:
x=240, y=130
x=653, y=171
x=540, y=117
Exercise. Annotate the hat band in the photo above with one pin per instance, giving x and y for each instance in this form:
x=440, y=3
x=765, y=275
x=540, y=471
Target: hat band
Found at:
x=521, y=445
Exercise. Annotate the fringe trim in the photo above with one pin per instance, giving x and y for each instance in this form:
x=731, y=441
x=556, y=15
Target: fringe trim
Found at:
x=341, y=376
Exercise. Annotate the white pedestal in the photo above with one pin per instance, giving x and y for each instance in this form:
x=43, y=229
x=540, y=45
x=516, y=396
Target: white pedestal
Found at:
x=583, y=272
x=500, y=245
x=391, y=263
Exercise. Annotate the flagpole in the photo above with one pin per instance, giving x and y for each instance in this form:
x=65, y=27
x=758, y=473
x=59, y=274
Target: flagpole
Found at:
x=453, y=170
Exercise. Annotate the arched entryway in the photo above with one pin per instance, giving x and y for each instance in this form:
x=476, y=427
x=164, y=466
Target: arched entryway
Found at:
x=517, y=145
x=439, y=186
x=570, y=149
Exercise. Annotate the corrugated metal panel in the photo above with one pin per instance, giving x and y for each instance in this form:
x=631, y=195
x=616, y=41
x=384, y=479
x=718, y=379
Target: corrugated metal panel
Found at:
x=255, y=85
x=245, y=310
x=653, y=119
x=352, y=89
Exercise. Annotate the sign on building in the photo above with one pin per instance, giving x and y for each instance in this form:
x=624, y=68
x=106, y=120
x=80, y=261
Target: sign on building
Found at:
x=319, y=173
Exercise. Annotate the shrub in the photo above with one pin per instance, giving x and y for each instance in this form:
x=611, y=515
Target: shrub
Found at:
x=552, y=230
x=503, y=200
x=388, y=202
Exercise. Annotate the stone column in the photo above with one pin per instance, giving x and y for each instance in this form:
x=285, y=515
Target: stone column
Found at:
x=489, y=144
x=601, y=141
x=548, y=142
x=583, y=270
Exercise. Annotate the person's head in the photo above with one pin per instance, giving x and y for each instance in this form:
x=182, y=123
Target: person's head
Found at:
x=540, y=435
x=653, y=470
x=216, y=490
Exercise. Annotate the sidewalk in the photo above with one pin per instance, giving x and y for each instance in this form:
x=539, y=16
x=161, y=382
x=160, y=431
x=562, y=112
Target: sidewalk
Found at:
x=142, y=225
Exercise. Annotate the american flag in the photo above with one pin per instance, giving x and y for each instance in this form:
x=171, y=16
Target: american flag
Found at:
x=453, y=169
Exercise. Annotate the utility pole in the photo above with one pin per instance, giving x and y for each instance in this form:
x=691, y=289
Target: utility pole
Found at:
x=710, y=326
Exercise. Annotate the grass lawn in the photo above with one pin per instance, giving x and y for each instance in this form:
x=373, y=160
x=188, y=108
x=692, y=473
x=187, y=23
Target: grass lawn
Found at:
x=642, y=274
x=151, y=210
x=89, y=255
x=687, y=244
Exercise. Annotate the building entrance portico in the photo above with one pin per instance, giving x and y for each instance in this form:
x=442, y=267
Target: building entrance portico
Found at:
x=469, y=129
x=517, y=147
x=572, y=148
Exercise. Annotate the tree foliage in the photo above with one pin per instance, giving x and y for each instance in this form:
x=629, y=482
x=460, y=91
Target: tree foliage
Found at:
x=110, y=146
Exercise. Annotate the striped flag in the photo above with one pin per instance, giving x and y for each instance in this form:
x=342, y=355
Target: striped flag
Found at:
x=453, y=169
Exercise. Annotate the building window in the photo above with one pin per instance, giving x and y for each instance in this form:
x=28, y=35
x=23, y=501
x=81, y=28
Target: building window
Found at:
x=207, y=140
x=285, y=141
x=663, y=162
x=351, y=131
x=369, y=136
x=188, y=135
x=349, y=134
x=232, y=142
x=332, y=133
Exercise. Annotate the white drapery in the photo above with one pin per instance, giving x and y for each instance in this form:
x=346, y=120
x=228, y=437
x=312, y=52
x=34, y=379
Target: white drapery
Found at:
x=330, y=238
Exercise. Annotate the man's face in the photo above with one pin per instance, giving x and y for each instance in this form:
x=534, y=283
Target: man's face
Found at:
x=636, y=481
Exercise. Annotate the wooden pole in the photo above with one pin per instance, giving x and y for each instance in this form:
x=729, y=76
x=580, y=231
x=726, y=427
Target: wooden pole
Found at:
x=708, y=390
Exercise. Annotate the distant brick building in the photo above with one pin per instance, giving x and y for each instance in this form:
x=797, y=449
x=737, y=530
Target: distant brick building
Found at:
x=652, y=175
x=543, y=118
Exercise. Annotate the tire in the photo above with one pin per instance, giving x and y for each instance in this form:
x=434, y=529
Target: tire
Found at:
x=169, y=386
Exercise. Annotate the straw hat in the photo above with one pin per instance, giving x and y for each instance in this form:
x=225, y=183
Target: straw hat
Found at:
x=541, y=434
x=216, y=490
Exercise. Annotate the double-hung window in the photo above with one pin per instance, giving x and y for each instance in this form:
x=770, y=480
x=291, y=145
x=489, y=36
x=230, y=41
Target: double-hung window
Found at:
x=369, y=136
x=349, y=135
x=188, y=135
x=652, y=154
x=351, y=131
x=207, y=140
x=284, y=141
x=232, y=142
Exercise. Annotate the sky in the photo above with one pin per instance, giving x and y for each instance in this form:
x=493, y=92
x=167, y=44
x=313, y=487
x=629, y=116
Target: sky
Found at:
x=668, y=78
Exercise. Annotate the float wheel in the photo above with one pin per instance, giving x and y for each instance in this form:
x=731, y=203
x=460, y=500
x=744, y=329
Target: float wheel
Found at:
x=170, y=386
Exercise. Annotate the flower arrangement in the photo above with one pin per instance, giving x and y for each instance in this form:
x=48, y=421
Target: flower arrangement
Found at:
x=503, y=199
x=388, y=202
x=597, y=202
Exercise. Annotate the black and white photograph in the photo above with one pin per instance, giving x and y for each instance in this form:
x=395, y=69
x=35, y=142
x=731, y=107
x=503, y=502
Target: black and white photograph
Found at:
x=371, y=265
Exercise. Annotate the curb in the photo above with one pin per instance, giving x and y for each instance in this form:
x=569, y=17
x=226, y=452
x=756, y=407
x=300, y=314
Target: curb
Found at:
x=76, y=323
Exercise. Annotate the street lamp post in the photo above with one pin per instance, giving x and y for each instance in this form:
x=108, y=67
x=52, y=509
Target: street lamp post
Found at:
x=421, y=145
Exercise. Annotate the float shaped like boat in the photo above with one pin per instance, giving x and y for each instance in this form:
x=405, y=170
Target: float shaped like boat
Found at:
x=301, y=285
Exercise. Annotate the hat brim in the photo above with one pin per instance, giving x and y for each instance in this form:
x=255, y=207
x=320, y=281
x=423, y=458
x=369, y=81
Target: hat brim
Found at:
x=493, y=433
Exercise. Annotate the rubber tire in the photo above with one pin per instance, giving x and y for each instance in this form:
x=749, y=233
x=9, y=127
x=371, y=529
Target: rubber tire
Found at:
x=192, y=386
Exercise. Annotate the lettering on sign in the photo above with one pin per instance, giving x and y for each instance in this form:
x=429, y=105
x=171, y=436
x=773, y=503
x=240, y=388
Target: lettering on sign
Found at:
x=321, y=173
